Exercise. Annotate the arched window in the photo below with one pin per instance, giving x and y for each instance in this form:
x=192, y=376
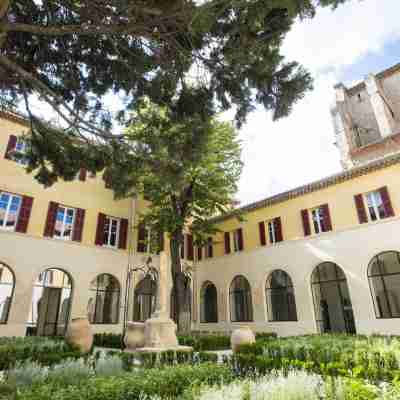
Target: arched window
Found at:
x=51, y=303
x=333, y=308
x=209, y=303
x=281, y=303
x=145, y=299
x=384, y=280
x=188, y=301
x=241, y=306
x=103, y=306
x=7, y=284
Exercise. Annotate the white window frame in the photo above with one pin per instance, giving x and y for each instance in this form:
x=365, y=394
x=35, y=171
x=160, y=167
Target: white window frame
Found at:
x=62, y=237
x=20, y=160
x=374, y=205
x=271, y=231
x=319, y=220
x=118, y=220
x=12, y=196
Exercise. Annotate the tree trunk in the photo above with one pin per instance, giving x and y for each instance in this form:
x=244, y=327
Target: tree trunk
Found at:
x=181, y=286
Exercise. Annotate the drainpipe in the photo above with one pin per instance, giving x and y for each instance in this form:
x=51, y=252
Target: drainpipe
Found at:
x=130, y=257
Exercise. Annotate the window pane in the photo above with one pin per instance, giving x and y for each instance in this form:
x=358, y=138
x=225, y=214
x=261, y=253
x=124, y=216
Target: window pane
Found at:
x=59, y=222
x=327, y=272
x=392, y=284
x=271, y=231
x=113, y=233
x=382, y=308
x=103, y=306
x=371, y=206
x=375, y=268
x=4, y=201
x=317, y=218
x=389, y=262
x=69, y=220
x=13, y=211
x=106, y=231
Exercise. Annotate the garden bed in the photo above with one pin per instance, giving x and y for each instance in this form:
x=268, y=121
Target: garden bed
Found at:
x=328, y=367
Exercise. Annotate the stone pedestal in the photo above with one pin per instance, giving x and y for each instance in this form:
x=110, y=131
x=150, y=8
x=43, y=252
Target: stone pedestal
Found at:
x=160, y=335
x=160, y=330
x=134, y=335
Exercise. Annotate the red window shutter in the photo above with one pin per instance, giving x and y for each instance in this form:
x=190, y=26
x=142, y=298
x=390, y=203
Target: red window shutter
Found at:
x=240, y=238
x=101, y=220
x=142, y=238
x=190, y=248
x=306, y=222
x=227, y=239
x=387, y=204
x=199, y=253
x=78, y=225
x=123, y=233
x=51, y=219
x=82, y=174
x=12, y=142
x=261, y=228
x=278, y=229
x=327, y=224
x=24, y=214
x=361, y=211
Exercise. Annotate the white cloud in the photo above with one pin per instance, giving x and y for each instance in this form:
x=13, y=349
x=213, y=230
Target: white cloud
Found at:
x=300, y=149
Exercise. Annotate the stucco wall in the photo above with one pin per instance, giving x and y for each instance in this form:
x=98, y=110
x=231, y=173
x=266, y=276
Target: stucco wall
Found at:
x=340, y=198
x=90, y=195
x=27, y=256
x=351, y=249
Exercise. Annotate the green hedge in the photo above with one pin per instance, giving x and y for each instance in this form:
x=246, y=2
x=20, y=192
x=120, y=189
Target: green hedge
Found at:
x=372, y=358
x=109, y=340
x=165, y=383
x=205, y=342
x=199, y=341
x=44, y=351
x=164, y=358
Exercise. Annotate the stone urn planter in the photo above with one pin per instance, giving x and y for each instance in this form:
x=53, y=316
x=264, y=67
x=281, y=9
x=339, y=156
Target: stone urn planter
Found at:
x=134, y=335
x=79, y=334
x=242, y=335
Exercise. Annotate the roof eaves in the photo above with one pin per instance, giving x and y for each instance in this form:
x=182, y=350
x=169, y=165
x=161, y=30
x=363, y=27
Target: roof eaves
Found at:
x=313, y=186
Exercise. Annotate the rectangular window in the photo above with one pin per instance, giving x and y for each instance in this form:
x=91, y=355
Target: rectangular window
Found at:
x=375, y=206
x=20, y=150
x=111, y=231
x=65, y=219
x=10, y=205
x=318, y=219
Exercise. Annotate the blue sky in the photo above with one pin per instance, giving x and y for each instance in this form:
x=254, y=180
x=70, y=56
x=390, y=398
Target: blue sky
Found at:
x=341, y=46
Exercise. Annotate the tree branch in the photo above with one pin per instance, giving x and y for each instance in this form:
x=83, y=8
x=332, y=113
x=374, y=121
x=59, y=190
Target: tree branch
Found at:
x=56, y=102
x=81, y=30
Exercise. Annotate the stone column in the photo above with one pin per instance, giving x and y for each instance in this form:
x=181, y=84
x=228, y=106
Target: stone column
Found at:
x=382, y=111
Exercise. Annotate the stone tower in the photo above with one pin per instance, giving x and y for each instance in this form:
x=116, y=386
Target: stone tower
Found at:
x=366, y=118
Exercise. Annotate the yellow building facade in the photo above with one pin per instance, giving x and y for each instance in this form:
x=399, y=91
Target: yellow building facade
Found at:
x=53, y=264
x=323, y=257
